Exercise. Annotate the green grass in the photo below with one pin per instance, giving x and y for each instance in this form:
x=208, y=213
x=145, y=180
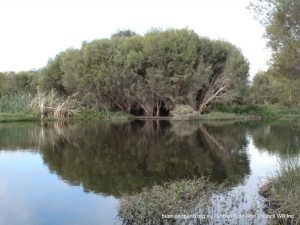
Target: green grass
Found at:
x=283, y=195
x=258, y=110
x=19, y=107
x=11, y=117
x=102, y=115
x=222, y=116
x=15, y=103
x=269, y=112
x=16, y=108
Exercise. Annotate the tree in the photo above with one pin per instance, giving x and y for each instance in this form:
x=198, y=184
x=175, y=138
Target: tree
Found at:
x=52, y=75
x=150, y=73
x=281, y=19
x=123, y=33
x=262, y=89
x=19, y=83
x=225, y=79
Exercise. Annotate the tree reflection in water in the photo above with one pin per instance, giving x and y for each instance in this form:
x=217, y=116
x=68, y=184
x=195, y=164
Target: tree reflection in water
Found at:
x=117, y=158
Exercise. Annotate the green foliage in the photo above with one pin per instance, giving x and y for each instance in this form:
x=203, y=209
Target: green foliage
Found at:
x=123, y=33
x=281, y=20
x=15, y=103
x=143, y=75
x=262, y=90
x=222, y=116
x=13, y=117
x=17, y=83
x=258, y=110
x=149, y=73
x=270, y=89
x=52, y=75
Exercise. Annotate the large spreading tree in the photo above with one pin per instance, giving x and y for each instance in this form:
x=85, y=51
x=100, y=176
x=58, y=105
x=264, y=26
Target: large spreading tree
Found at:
x=151, y=74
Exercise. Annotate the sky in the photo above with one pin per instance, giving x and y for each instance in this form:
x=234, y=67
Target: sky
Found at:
x=33, y=31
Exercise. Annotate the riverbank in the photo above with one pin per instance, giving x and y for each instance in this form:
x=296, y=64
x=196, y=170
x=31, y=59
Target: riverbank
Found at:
x=282, y=195
x=15, y=117
x=242, y=113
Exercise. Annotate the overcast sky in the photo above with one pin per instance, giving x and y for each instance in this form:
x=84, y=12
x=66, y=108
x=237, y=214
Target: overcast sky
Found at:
x=32, y=31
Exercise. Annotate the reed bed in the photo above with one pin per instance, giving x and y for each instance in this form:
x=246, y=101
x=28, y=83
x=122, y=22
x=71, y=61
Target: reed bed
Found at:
x=282, y=193
x=52, y=105
x=15, y=103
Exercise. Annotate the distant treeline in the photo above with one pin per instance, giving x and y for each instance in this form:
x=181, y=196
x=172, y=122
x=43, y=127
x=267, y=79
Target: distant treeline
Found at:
x=145, y=75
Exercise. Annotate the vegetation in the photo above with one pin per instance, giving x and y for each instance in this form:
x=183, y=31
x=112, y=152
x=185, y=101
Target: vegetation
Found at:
x=12, y=117
x=148, y=75
x=52, y=105
x=161, y=203
x=194, y=201
x=15, y=103
x=161, y=72
x=223, y=116
x=283, y=194
x=282, y=81
x=143, y=75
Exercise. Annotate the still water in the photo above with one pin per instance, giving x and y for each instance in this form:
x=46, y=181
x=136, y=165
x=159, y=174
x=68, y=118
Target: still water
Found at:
x=75, y=173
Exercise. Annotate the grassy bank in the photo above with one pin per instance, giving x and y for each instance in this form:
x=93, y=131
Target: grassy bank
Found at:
x=50, y=106
x=264, y=111
x=24, y=107
x=226, y=116
x=102, y=115
x=84, y=115
x=252, y=112
x=16, y=108
x=282, y=194
x=13, y=117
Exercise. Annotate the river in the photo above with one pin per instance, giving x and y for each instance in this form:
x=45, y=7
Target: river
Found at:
x=75, y=173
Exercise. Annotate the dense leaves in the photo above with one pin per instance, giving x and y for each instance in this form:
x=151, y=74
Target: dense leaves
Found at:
x=17, y=83
x=150, y=74
x=147, y=75
x=281, y=19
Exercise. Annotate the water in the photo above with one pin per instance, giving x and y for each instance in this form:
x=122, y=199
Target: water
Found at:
x=59, y=173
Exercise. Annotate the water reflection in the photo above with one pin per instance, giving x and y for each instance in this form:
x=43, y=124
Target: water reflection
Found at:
x=116, y=158
x=123, y=158
x=282, y=139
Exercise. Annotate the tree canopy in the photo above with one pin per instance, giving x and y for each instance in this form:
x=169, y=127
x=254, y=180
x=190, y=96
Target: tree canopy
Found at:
x=151, y=73
x=145, y=75
x=281, y=19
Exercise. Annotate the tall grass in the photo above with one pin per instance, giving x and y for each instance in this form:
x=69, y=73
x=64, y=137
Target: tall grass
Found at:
x=283, y=195
x=15, y=103
x=43, y=104
x=51, y=104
